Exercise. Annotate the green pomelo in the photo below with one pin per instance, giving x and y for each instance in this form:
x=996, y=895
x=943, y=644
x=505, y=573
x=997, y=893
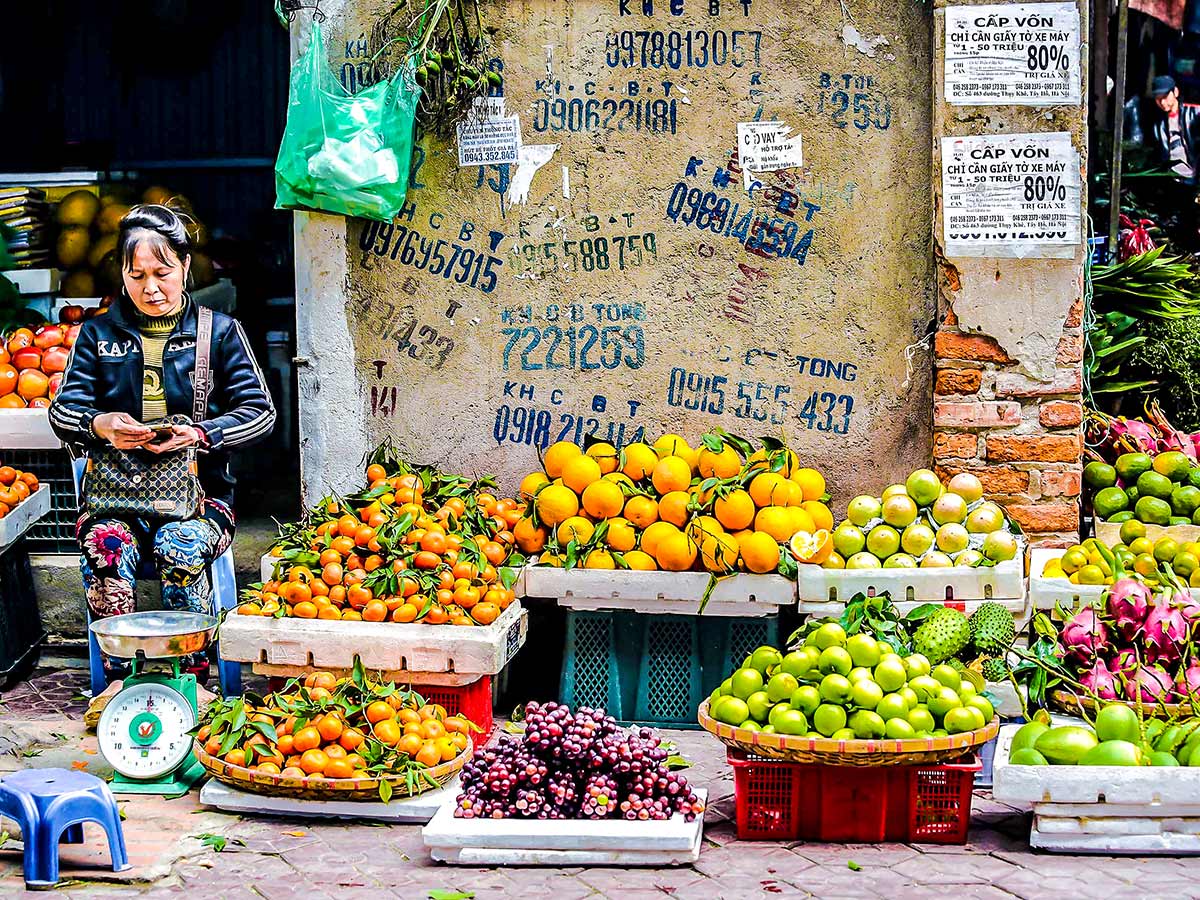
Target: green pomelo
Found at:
x=1112, y=753
x=1064, y=745
x=1027, y=756
x=1117, y=722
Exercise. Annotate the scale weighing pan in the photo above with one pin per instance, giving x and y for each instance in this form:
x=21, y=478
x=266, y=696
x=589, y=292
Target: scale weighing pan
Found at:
x=154, y=635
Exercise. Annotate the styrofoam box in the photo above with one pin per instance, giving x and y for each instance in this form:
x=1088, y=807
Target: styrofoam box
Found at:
x=23, y=516
x=1044, y=593
x=1103, y=809
x=400, y=809
x=27, y=429
x=532, y=842
x=34, y=281
x=1003, y=583
x=387, y=646
x=659, y=592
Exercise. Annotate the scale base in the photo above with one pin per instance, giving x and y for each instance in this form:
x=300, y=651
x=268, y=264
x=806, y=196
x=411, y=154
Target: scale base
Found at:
x=176, y=784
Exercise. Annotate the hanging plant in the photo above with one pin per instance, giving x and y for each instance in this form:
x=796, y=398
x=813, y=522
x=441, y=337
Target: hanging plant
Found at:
x=448, y=44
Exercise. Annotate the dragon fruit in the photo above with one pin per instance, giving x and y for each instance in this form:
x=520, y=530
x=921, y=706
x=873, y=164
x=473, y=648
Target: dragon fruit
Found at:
x=1166, y=630
x=1150, y=684
x=1171, y=438
x=1085, y=637
x=1121, y=435
x=1128, y=604
x=1187, y=684
x=1099, y=681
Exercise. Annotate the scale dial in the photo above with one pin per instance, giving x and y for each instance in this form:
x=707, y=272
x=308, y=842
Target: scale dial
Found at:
x=143, y=730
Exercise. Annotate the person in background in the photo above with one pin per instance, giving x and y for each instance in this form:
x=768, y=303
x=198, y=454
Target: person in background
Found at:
x=1177, y=132
x=135, y=365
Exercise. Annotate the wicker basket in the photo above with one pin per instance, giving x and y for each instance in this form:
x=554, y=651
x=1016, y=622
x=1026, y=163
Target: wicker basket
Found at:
x=271, y=785
x=1075, y=704
x=886, y=752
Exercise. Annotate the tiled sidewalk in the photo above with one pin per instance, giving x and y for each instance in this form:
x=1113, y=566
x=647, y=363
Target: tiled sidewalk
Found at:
x=313, y=859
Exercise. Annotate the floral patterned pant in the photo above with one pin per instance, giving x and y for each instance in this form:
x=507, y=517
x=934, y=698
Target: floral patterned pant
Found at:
x=113, y=549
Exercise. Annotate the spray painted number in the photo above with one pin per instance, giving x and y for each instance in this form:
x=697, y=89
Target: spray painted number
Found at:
x=760, y=233
x=681, y=49
x=616, y=345
x=655, y=116
x=818, y=411
x=870, y=110
x=529, y=426
x=428, y=345
x=440, y=257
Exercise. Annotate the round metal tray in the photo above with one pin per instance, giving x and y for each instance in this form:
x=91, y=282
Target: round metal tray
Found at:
x=154, y=635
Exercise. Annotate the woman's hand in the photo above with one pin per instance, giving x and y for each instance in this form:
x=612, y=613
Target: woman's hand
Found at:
x=181, y=436
x=122, y=430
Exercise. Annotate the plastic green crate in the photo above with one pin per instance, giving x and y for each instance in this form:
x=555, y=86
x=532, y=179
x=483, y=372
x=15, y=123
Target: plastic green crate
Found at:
x=654, y=668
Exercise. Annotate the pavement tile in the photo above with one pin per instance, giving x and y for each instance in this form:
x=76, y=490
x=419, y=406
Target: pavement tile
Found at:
x=941, y=869
x=863, y=854
x=1068, y=883
x=750, y=858
x=616, y=878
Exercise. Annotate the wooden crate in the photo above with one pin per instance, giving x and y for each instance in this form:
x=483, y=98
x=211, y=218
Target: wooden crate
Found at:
x=432, y=654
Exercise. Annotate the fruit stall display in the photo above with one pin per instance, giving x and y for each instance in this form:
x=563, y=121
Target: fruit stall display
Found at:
x=1119, y=783
x=32, y=361
x=920, y=540
x=324, y=737
x=1160, y=491
x=21, y=503
x=570, y=781
x=844, y=710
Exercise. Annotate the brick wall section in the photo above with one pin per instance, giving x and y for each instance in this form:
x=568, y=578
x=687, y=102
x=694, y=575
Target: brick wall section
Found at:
x=1020, y=436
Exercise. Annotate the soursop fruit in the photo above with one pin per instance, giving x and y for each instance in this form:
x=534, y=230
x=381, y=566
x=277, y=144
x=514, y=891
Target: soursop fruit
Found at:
x=995, y=669
x=992, y=629
x=942, y=635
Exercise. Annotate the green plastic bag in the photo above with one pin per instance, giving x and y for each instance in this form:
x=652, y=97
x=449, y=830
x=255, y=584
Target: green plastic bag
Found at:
x=341, y=152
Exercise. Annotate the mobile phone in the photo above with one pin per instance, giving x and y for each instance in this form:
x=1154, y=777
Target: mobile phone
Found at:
x=161, y=430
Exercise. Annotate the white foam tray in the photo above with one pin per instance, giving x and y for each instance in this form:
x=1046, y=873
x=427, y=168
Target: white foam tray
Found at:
x=526, y=842
x=401, y=810
x=1103, y=809
x=27, y=429
x=1044, y=593
x=394, y=648
x=659, y=592
x=34, y=281
x=1004, y=583
x=23, y=516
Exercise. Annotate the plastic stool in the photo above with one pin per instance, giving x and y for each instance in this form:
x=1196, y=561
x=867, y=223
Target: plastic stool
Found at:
x=51, y=805
x=224, y=596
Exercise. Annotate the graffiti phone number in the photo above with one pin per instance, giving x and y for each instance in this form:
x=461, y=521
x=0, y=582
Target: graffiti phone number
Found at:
x=681, y=49
x=588, y=254
x=532, y=427
x=759, y=233
x=441, y=257
x=757, y=400
x=617, y=345
x=655, y=116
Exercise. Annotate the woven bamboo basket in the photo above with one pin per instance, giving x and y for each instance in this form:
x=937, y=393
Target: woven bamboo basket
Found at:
x=1075, y=704
x=271, y=785
x=884, y=752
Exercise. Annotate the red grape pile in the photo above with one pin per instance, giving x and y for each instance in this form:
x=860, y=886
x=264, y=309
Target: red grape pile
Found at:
x=579, y=765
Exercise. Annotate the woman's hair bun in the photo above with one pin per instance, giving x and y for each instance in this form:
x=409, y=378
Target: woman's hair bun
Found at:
x=164, y=227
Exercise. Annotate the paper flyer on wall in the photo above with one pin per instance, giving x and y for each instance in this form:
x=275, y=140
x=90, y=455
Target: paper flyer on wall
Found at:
x=1011, y=195
x=1023, y=54
x=767, y=147
x=488, y=137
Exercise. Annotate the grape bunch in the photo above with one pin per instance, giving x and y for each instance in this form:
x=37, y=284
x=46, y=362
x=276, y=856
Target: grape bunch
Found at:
x=575, y=765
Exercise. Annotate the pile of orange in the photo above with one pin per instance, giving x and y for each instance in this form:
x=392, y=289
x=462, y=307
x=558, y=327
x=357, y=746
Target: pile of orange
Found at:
x=326, y=727
x=32, y=362
x=15, y=488
x=396, y=553
x=722, y=507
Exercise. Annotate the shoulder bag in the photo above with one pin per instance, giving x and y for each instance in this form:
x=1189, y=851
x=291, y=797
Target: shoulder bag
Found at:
x=128, y=484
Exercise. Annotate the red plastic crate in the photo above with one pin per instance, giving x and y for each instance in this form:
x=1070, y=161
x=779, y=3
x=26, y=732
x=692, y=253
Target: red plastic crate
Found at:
x=777, y=800
x=472, y=700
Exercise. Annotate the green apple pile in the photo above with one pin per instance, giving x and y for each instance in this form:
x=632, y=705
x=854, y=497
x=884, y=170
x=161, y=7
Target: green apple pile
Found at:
x=1117, y=739
x=847, y=688
x=923, y=523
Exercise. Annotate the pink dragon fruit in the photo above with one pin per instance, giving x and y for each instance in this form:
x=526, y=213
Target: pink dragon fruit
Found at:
x=1099, y=681
x=1183, y=600
x=1128, y=604
x=1166, y=631
x=1187, y=683
x=1172, y=438
x=1125, y=664
x=1150, y=684
x=1085, y=637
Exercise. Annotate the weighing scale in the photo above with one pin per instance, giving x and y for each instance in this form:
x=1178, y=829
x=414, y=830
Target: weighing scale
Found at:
x=143, y=731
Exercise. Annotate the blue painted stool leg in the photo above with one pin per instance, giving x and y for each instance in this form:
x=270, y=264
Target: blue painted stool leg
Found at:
x=21, y=810
x=45, y=865
x=72, y=834
x=116, y=839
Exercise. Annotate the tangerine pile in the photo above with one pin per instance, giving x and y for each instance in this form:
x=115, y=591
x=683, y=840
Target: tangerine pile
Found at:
x=32, y=362
x=15, y=488
x=322, y=726
x=722, y=507
x=417, y=545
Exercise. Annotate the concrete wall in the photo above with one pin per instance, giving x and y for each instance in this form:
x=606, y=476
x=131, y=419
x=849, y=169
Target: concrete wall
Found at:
x=674, y=327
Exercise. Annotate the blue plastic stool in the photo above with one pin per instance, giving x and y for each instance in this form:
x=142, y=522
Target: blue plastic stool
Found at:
x=224, y=595
x=51, y=805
